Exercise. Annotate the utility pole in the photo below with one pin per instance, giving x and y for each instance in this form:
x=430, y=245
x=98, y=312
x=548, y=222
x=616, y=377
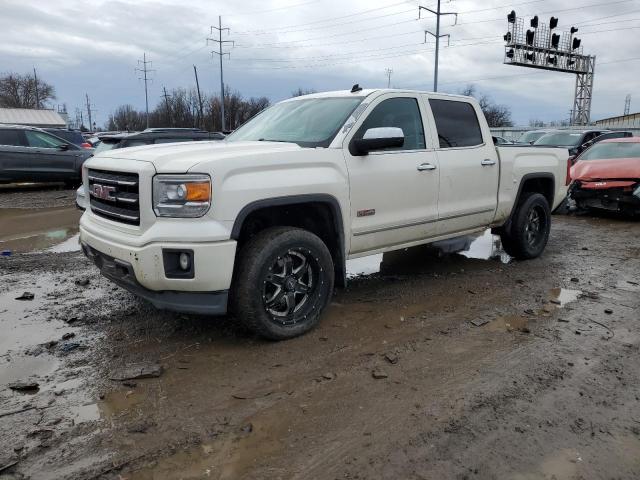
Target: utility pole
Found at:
x=89, y=111
x=438, y=13
x=627, y=104
x=35, y=78
x=166, y=102
x=221, y=54
x=201, y=122
x=145, y=71
x=388, y=71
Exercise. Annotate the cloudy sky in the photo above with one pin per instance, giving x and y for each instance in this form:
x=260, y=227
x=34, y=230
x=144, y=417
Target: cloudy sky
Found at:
x=92, y=46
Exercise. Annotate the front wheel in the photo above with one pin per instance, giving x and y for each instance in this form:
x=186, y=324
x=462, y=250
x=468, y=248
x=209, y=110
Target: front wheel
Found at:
x=283, y=282
x=529, y=232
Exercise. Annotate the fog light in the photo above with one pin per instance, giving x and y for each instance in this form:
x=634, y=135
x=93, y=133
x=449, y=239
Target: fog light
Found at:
x=185, y=261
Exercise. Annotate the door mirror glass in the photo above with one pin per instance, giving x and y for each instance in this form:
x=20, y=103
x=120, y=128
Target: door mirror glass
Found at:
x=378, y=138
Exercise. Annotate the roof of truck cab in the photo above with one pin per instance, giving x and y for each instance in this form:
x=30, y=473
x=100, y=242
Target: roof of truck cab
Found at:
x=622, y=140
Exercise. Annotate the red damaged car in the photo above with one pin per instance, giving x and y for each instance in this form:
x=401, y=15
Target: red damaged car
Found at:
x=607, y=176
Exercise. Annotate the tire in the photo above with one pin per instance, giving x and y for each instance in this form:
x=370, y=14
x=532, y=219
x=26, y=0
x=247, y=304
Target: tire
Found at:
x=283, y=282
x=529, y=232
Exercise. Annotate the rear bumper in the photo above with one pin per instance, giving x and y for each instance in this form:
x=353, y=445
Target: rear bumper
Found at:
x=122, y=273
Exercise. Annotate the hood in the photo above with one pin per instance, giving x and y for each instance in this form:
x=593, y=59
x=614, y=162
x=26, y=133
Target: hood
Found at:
x=184, y=156
x=618, y=168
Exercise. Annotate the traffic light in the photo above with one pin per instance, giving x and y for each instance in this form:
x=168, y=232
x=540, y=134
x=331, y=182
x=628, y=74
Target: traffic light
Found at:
x=534, y=22
x=511, y=17
x=575, y=44
x=507, y=37
x=510, y=53
x=553, y=23
x=530, y=36
x=530, y=57
x=555, y=40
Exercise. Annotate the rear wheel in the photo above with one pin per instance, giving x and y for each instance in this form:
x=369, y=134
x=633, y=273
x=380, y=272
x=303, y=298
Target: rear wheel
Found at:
x=529, y=232
x=283, y=282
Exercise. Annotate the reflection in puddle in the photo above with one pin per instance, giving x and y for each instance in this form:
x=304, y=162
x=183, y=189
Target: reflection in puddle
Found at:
x=562, y=296
x=484, y=247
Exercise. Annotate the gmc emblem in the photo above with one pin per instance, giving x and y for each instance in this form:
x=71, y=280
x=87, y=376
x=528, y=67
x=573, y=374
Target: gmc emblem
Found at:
x=103, y=192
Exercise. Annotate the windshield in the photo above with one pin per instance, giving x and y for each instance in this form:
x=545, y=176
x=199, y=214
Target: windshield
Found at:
x=311, y=122
x=528, y=137
x=603, y=151
x=569, y=139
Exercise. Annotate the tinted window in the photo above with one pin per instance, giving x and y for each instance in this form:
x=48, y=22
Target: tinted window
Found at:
x=42, y=140
x=68, y=135
x=10, y=137
x=457, y=123
x=402, y=113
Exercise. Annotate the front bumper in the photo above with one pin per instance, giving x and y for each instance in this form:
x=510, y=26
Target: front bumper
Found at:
x=121, y=273
x=612, y=199
x=136, y=262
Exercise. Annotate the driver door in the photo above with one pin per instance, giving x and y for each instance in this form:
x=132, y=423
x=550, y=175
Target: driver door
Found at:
x=393, y=192
x=47, y=157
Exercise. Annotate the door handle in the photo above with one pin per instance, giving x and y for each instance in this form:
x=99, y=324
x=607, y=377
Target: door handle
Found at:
x=487, y=161
x=426, y=166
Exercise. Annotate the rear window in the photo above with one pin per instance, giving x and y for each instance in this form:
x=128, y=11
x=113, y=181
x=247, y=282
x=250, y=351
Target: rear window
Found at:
x=10, y=137
x=610, y=150
x=457, y=123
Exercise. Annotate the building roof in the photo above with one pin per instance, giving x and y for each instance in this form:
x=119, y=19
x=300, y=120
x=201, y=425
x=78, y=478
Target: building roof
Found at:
x=36, y=118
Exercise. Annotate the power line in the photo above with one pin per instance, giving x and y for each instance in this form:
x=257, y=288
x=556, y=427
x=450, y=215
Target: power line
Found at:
x=221, y=54
x=145, y=71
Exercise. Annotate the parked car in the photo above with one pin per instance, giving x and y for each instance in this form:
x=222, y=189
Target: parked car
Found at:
x=501, y=141
x=607, y=136
x=607, y=176
x=29, y=154
x=155, y=136
x=576, y=141
x=268, y=217
x=72, y=136
x=527, y=138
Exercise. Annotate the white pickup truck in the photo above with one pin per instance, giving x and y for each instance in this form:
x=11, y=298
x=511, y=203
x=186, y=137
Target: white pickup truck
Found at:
x=264, y=221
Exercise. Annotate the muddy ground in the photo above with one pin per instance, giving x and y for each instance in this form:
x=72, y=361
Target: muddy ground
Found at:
x=397, y=382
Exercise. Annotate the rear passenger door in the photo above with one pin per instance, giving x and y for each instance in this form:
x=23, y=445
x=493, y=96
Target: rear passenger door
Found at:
x=469, y=169
x=14, y=154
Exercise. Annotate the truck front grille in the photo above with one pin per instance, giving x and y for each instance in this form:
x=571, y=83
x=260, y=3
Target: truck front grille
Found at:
x=115, y=196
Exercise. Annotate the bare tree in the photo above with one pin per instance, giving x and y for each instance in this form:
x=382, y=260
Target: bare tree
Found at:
x=126, y=117
x=496, y=115
x=300, y=91
x=19, y=91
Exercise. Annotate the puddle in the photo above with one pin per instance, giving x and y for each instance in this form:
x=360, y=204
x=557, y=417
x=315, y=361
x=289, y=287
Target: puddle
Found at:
x=563, y=296
x=26, y=230
x=508, y=323
x=364, y=265
x=486, y=247
x=120, y=401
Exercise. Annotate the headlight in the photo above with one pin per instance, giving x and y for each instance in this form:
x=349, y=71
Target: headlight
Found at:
x=181, y=195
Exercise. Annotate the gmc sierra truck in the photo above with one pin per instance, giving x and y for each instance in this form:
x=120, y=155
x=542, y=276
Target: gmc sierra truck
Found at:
x=262, y=223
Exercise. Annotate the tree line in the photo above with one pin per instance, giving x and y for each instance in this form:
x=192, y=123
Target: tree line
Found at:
x=182, y=108
x=24, y=91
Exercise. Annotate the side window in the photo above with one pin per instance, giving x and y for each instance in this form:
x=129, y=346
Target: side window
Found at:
x=400, y=112
x=457, y=123
x=42, y=140
x=11, y=138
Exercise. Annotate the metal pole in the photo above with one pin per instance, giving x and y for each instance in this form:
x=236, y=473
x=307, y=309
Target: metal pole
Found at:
x=146, y=95
x=89, y=110
x=221, y=78
x=195, y=71
x=435, y=73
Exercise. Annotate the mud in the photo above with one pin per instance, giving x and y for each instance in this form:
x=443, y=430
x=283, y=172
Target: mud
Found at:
x=547, y=387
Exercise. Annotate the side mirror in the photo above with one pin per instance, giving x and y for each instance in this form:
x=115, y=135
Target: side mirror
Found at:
x=64, y=147
x=377, y=139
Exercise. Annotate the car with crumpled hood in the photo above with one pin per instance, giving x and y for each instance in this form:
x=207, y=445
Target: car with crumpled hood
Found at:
x=607, y=177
